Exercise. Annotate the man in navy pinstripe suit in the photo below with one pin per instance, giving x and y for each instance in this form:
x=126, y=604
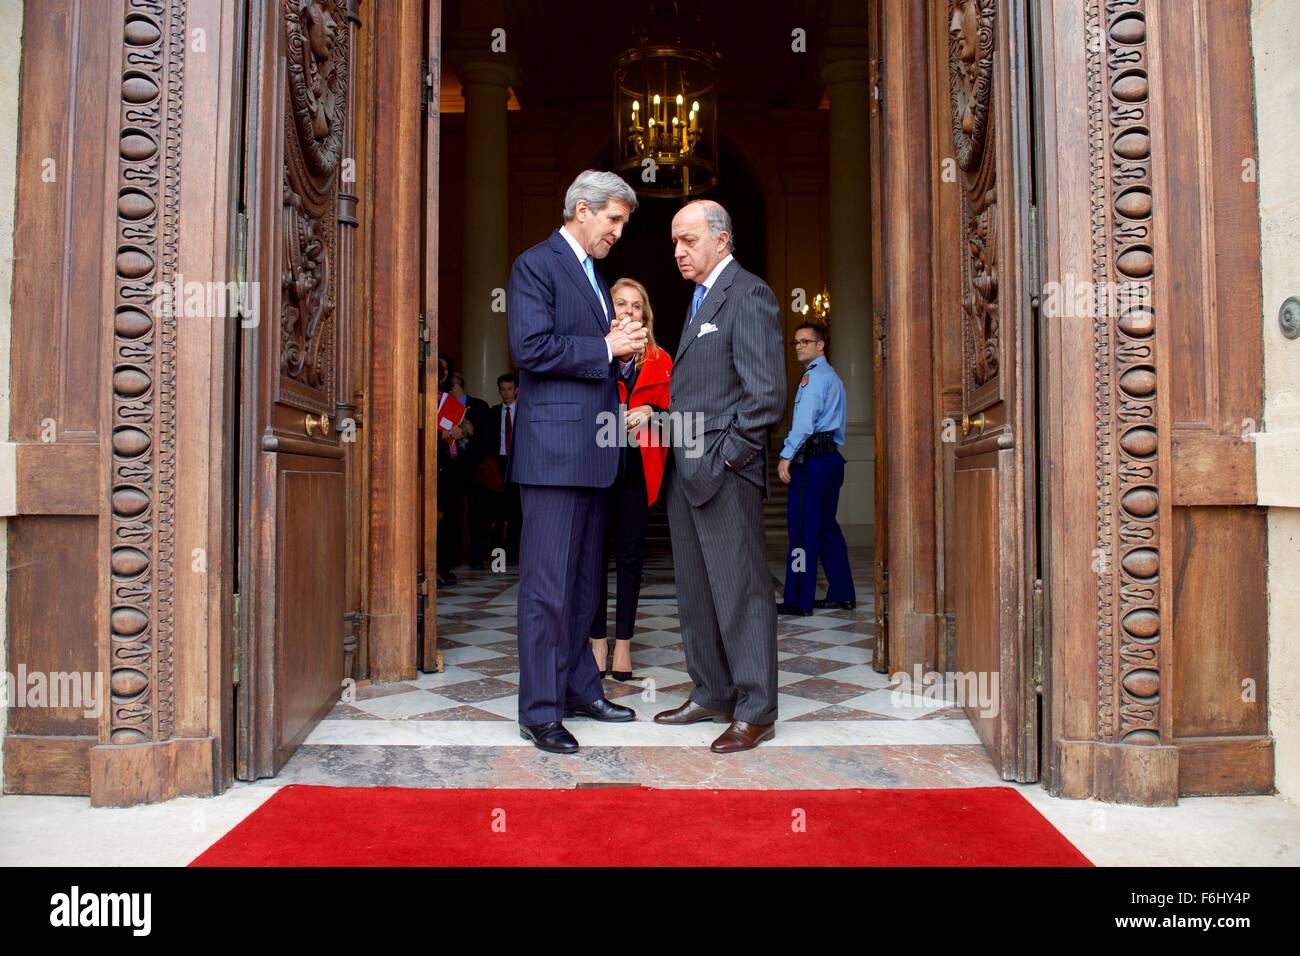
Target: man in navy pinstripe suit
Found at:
x=570, y=354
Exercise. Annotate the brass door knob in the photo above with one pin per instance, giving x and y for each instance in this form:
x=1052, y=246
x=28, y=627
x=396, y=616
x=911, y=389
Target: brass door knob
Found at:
x=977, y=423
x=322, y=422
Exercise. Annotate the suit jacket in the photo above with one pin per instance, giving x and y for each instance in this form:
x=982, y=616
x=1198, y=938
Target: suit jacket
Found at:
x=567, y=382
x=479, y=413
x=734, y=378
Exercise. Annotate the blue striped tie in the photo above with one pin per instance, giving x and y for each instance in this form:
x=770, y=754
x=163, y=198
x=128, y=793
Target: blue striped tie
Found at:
x=595, y=286
x=696, y=300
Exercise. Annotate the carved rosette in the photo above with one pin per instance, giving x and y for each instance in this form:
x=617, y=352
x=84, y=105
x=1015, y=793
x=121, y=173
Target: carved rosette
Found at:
x=143, y=443
x=316, y=76
x=970, y=70
x=1128, y=525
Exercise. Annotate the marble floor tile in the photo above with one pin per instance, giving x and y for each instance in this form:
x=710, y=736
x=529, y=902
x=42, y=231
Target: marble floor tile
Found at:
x=405, y=705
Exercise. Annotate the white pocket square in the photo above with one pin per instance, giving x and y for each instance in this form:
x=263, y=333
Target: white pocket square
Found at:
x=705, y=329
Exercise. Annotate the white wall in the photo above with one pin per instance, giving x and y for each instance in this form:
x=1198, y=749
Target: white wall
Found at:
x=11, y=14
x=1276, y=40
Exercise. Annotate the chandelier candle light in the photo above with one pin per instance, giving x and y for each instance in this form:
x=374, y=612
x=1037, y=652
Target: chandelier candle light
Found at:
x=665, y=100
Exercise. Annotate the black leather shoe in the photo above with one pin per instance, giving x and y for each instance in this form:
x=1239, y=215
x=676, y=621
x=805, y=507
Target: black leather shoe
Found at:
x=551, y=737
x=601, y=709
x=841, y=605
x=791, y=609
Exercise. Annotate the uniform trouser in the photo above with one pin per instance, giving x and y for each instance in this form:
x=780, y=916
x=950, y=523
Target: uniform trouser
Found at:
x=725, y=598
x=560, y=551
x=625, y=527
x=815, y=534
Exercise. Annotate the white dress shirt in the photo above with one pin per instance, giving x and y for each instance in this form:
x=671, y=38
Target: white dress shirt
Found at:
x=717, y=271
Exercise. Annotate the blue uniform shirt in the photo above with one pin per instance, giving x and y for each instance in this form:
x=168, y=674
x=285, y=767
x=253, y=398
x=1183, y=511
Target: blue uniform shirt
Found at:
x=819, y=406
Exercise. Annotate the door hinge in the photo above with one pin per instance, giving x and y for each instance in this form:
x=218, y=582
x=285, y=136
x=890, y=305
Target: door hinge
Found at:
x=428, y=74
x=355, y=621
x=1035, y=261
x=243, y=304
x=882, y=601
x=1039, y=611
x=235, y=656
x=882, y=346
x=421, y=597
x=423, y=345
x=345, y=412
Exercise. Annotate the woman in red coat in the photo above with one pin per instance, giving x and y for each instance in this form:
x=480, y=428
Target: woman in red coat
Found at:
x=640, y=475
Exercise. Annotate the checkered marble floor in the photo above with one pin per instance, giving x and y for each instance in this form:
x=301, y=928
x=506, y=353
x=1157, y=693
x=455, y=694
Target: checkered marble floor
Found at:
x=461, y=723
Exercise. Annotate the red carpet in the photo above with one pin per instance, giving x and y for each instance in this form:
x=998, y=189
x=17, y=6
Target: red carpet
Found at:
x=394, y=826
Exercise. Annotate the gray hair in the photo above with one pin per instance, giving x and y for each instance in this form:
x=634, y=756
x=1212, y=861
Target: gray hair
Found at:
x=597, y=189
x=719, y=220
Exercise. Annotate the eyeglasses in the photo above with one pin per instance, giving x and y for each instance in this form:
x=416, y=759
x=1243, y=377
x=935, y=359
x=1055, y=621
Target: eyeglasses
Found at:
x=804, y=342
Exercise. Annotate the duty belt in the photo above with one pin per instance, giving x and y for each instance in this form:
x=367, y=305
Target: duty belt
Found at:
x=818, y=443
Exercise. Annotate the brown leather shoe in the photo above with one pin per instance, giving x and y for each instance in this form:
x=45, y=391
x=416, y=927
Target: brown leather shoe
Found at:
x=742, y=736
x=691, y=713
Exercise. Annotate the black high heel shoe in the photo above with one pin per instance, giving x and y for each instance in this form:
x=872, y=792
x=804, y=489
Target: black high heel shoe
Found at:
x=619, y=675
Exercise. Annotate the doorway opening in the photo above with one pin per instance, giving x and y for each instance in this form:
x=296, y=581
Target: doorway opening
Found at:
x=833, y=171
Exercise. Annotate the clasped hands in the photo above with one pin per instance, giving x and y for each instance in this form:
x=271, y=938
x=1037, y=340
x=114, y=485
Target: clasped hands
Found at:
x=626, y=338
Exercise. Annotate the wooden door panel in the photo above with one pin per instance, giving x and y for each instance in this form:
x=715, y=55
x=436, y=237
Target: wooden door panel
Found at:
x=976, y=580
x=310, y=565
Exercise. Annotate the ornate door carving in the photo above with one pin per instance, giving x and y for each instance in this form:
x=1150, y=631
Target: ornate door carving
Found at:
x=994, y=499
x=293, y=563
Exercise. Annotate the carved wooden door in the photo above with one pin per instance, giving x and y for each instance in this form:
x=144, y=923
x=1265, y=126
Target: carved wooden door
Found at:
x=427, y=581
x=995, y=501
x=880, y=657
x=301, y=213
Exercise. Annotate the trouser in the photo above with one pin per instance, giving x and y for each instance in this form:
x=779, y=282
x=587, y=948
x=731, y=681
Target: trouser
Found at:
x=559, y=561
x=725, y=597
x=451, y=502
x=626, y=520
x=484, y=521
x=815, y=534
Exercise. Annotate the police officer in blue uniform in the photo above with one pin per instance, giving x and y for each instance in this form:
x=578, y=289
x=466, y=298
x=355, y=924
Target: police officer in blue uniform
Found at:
x=813, y=467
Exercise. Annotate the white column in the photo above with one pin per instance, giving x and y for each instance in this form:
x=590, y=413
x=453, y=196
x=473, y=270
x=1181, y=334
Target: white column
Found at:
x=486, y=351
x=848, y=87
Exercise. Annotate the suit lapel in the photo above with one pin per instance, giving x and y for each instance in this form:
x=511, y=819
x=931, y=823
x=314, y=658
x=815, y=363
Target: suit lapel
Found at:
x=708, y=309
x=573, y=269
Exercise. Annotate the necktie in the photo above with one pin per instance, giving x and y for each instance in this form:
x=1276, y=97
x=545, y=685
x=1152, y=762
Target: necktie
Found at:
x=510, y=420
x=700, y=292
x=595, y=286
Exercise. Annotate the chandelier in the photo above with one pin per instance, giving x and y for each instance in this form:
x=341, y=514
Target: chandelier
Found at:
x=821, y=306
x=666, y=120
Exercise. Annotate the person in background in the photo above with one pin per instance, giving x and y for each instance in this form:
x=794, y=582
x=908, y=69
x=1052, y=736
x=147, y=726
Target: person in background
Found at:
x=505, y=515
x=636, y=488
x=813, y=467
x=449, y=488
x=472, y=446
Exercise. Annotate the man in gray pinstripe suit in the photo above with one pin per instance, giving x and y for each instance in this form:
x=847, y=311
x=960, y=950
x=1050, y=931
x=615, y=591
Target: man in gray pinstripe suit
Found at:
x=728, y=381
